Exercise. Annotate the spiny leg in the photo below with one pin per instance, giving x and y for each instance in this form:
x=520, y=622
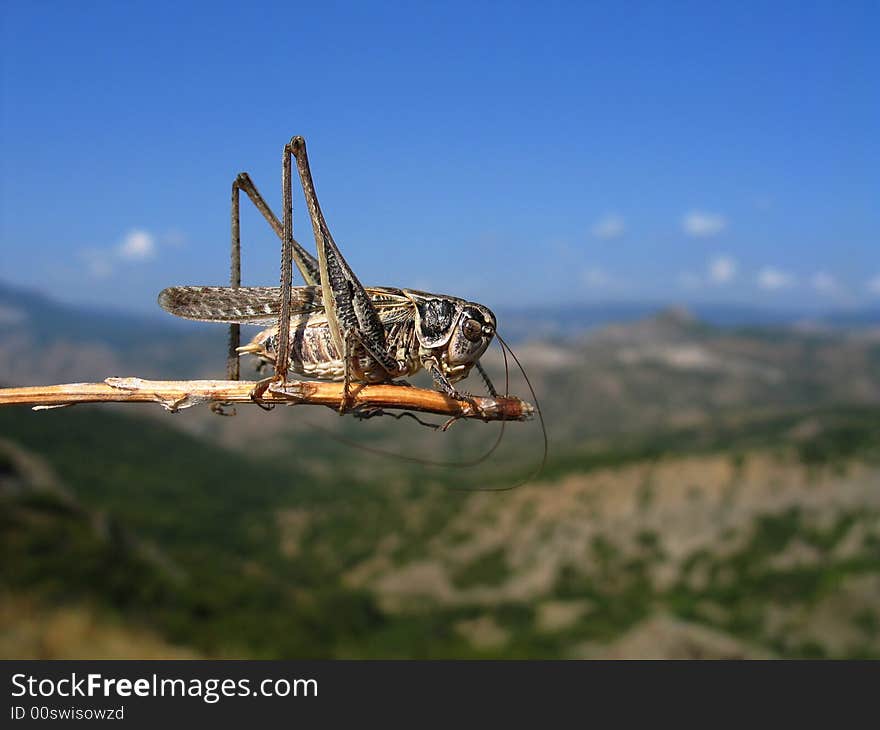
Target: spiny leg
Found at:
x=485, y=376
x=291, y=251
x=305, y=262
x=348, y=306
x=233, y=369
x=352, y=340
x=282, y=354
x=346, y=380
x=442, y=382
x=364, y=413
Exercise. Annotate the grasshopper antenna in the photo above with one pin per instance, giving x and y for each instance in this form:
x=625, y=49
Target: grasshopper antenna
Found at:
x=540, y=468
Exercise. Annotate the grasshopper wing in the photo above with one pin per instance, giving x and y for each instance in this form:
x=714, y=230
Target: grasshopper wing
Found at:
x=243, y=305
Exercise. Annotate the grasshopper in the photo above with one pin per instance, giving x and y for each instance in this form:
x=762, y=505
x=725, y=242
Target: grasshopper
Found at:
x=334, y=328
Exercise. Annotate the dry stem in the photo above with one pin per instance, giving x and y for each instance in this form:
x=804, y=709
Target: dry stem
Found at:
x=175, y=395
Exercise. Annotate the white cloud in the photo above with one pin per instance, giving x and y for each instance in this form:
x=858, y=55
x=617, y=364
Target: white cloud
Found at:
x=773, y=279
x=703, y=225
x=722, y=269
x=609, y=227
x=137, y=245
x=874, y=285
x=824, y=283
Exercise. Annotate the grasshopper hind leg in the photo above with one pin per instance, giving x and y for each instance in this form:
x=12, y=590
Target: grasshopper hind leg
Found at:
x=291, y=252
x=233, y=369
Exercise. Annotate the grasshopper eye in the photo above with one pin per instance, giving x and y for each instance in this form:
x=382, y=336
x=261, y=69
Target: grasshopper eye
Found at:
x=472, y=329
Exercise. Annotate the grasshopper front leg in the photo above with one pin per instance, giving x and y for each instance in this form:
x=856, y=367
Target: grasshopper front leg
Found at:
x=442, y=382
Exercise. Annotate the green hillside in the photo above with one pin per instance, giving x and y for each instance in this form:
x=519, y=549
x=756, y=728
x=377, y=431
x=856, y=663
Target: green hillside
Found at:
x=212, y=513
x=235, y=556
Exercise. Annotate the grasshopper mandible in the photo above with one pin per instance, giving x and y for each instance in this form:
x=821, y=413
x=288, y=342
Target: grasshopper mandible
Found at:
x=334, y=328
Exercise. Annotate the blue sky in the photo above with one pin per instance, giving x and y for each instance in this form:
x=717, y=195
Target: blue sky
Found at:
x=512, y=153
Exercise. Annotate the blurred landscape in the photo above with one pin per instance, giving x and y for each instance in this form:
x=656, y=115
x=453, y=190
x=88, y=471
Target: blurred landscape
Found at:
x=712, y=490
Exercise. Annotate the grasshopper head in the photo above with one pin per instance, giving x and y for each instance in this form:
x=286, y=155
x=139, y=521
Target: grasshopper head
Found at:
x=471, y=335
x=456, y=332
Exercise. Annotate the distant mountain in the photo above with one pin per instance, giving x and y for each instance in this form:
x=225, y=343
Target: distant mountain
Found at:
x=46, y=319
x=43, y=340
x=570, y=320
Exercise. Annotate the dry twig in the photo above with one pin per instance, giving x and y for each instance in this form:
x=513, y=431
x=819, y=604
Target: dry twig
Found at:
x=175, y=395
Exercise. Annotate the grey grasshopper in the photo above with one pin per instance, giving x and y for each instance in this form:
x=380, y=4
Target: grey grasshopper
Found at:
x=334, y=328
